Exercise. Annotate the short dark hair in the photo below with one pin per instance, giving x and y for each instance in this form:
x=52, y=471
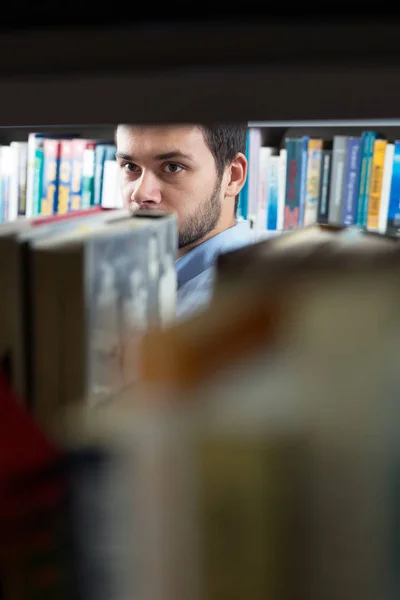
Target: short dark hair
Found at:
x=225, y=141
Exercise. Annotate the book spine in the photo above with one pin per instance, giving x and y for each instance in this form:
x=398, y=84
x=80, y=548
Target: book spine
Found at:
x=272, y=193
x=242, y=209
x=281, y=188
x=10, y=212
x=303, y=178
x=378, y=163
x=352, y=181
x=37, y=179
x=324, y=188
x=393, y=222
x=313, y=179
x=386, y=183
x=88, y=178
x=20, y=169
x=32, y=142
x=64, y=185
x=293, y=174
x=51, y=169
x=79, y=147
x=254, y=170
x=368, y=139
x=339, y=152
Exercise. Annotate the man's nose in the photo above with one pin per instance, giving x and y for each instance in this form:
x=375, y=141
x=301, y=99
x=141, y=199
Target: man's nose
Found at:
x=146, y=191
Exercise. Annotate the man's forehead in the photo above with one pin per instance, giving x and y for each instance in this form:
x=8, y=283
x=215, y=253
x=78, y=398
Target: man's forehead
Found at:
x=159, y=138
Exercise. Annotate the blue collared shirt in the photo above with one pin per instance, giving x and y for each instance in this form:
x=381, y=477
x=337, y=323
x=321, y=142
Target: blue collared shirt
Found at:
x=196, y=269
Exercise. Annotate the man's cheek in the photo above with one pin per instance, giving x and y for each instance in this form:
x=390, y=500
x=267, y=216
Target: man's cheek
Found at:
x=126, y=193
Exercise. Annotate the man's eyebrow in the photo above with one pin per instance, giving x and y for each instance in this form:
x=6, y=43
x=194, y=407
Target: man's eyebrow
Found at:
x=124, y=156
x=172, y=154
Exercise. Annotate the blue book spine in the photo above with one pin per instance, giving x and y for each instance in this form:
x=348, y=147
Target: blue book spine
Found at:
x=293, y=176
x=242, y=208
x=303, y=178
x=272, y=193
x=393, y=226
x=351, y=183
x=367, y=149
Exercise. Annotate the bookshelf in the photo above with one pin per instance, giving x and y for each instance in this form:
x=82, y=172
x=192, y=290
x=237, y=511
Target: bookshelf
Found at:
x=281, y=77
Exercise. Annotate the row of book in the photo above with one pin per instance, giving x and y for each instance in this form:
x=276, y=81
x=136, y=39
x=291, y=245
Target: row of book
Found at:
x=50, y=174
x=347, y=180
x=181, y=489
x=77, y=291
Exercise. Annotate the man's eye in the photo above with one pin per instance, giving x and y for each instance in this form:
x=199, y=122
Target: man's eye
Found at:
x=129, y=167
x=172, y=168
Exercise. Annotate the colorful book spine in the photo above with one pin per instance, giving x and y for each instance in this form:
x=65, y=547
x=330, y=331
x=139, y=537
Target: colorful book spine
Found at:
x=261, y=214
x=51, y=170
x=88, y=178
x=272, y=192
x=33, y=143
x=393, y=222
x=37, y=174
x=351, y=181
x=281, y=188
x=293, y=176
x=386, y=184
x=367, y=149
x=64, y=185
x=78, y=148
x=313, y=178
x=303, y=178
x=378, y=164
x=35, y=170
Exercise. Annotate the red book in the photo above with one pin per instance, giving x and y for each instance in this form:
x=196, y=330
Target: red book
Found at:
x=34, y=524
x=63, y=217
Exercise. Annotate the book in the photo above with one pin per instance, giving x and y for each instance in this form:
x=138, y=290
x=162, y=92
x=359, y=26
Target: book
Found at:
x=94, y=294
x=15, y=301
x=352, y=174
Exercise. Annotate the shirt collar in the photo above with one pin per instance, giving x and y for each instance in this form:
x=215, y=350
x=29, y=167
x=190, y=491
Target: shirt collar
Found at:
x=204, y=255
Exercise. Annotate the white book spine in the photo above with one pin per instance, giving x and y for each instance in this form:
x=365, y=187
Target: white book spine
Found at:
x=111, y=194
x=281, y=188
x=33, y=142
x=385, y=192
x=261, y=206
x=14, y=188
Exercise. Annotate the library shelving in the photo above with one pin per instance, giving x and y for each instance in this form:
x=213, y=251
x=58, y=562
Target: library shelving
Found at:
x=240, y=515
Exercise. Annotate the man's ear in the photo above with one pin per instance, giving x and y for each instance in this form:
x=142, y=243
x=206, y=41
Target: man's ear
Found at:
x=237, y=174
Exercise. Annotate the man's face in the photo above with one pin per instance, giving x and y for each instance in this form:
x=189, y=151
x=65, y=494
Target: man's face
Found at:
x=171, y=168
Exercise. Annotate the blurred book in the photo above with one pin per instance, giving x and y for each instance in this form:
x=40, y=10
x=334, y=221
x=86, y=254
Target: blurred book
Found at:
x=15, y=281
x=95, y=291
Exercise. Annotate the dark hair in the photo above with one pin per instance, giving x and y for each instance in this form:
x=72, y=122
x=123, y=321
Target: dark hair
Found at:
x=225, y=141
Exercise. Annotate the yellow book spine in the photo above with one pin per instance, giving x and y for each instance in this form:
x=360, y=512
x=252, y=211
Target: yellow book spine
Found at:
x=374, y=201
x=312, y=184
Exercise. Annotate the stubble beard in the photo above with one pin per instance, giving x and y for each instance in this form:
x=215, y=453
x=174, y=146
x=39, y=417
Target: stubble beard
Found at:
x=203, y=221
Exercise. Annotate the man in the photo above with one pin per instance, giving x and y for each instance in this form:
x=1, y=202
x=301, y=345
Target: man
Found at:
x=196, y=172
